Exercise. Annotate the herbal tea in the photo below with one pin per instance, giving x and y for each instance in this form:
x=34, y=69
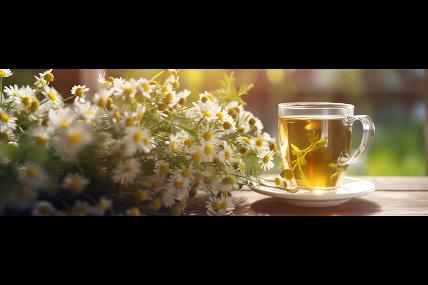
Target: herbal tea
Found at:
x=312, y=146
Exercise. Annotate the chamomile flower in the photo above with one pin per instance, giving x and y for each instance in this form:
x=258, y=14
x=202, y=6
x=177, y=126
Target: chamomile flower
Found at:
x=228, y=183
x=245, y=142
x=23, y=198
x=102, y=99
x=81, y=208
x=75, y=182
x=209, y=110
x=102, y=207
x=176, y=141
x=167, y=197
x=208, y=150
x=61, y=118
x=162, y=168
x=54, y=98
x=80, y=92
x=228, y=124
x=106, y=82
x=174, y=80
x=88, y=111
x=44, y=208
x=179, y=186
x=5, y=73
x=6, y=133
x=47, y=75
x=127, y=171
x=41, y=135
x=26, y=99
x=7, y=119
x=12, y=91
x=33, y=175
x=181, y=98
x=265, y=159
x=125, y=89
x=139, y=139
x=206, y=98
x=226, y=153
x=220, y=206
x=71, y=140
x=40, y=82
x=145, y=87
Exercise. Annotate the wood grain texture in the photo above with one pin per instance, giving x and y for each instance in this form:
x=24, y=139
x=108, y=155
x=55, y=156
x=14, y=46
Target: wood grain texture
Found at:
x=394, y=196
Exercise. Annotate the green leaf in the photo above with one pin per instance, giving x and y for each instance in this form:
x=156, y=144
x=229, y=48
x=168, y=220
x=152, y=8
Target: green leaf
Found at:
x=229, y=92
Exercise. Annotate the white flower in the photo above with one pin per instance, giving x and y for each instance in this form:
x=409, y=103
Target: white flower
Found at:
x=125, y=88
x=162, y=168
x=44, y=208
x=79, y=91
x=32, y=175
x=81, y=208
x=61, y=118
x=180, y=98
x=71, y=140
x=179, y=185
x=226, y=153
x=40, y=82
x=100, y=209
x=209, y=111
x=145, y=87
x=228, y=124
x=139, y=140
x=106, y=82
x=220, y=206
x=54, y=98
x=265, y=160
x=75, y=182
x=102, y=98
x=206, y=97
x=47, y=75
x=168, y=197
x=7, y=119
x=12, y=91
x=88, y=111
x=6, y=133
x=127, y=171
x=245, y=142
x=41, y=135
x=5, y=73
x=228, y=183
x=25, y=99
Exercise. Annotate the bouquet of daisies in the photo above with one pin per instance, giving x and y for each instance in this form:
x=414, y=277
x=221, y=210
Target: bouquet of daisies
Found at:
x=135, y=147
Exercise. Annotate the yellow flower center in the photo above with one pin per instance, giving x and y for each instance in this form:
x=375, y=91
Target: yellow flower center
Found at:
x=49, y=77
x=168, y=98
x=129, y=122
x=228, y=181
x=76, y=184
x=259, y=142
x=102, y=102
x=266, y=159
x=64, y=123
x=42, y=140
x=277, y=181
x=45, y=209
x=146, y=87
x=26, y=100
x=185, y=173
x=233, y=113
x=227, y=125
x=4, y=117
x=174, y=146
x=272, y=146
x=207, y=113
x=227, y=155
x=35, y=105
x=142, y=196
x=178, y=184
x=252, y=122
x=102, y=206
x=208, y=149
x=146, y=142
x=182, y=101
x=208, y=136
x=164, y=169
x=2, y=73
x=157, y=204
x=224, y=205
x=4, y=136
x=51, y=95
x=176, y=84
x=216, y=205
x=246, y=140
x=24, y=193
x=188, y=143
x=196, y=156
x=128, y=90
x=156, y=184
x=117, y=115
x=109, y=104
x=204, y=99
x=134, y=212
x=220, y=116
x=175, y=210
x=80, y=92
x=74, y=139
x=32, y=172
x=165, y=89
x=110, y=79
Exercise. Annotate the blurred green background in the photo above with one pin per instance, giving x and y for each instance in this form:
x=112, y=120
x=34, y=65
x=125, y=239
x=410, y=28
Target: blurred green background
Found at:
x=393, y=98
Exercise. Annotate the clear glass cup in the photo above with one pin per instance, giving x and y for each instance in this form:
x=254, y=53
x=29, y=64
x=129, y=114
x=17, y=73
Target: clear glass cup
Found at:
x=315, y=142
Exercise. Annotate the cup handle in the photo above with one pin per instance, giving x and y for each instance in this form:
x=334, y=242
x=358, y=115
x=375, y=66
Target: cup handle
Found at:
x=366, y=142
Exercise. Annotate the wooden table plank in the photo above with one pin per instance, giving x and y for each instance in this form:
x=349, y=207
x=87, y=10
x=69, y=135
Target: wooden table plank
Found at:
x=394, y=196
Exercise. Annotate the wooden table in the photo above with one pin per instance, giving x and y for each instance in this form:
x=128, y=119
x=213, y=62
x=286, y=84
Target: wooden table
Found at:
x=393, y=196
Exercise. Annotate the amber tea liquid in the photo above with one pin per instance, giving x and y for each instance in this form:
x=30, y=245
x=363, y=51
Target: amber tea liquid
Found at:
x=312, y=148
